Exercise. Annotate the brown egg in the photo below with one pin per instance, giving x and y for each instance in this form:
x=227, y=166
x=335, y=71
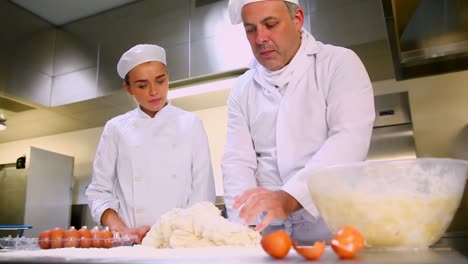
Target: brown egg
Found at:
x=311, y=252
x=277, y=244
x=347, y=242
x=56, y=237
x=71, y=237
x=97, y=237
x=44, y=239
x=85, y=237
x=107, y=238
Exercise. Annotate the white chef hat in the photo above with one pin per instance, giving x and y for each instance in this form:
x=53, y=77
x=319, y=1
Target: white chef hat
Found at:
x=139, y=54
x=235, y=8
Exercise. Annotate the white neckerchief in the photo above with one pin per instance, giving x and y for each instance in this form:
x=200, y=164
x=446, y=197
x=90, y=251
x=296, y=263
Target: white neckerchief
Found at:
x=280, y=78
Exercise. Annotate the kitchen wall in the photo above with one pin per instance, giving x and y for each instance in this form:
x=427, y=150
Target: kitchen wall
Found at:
x=67, y=74
x=83, y=144
x=439, y=110
x=76, y=62
x=438, y=106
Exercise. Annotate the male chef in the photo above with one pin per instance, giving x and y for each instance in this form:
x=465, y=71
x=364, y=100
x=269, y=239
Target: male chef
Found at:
x=303, y=105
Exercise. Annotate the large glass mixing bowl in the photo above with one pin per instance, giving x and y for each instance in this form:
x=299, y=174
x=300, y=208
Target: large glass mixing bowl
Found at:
x=395, y=204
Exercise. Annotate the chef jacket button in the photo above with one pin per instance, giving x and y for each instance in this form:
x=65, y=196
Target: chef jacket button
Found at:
x=173, y=146
x=174, y=176
x=137, y=179
x=139, y=211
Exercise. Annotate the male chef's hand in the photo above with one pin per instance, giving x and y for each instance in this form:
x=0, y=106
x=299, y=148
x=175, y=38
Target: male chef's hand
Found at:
x=276, y=205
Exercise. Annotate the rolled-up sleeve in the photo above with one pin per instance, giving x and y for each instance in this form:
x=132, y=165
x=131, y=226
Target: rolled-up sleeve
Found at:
x=350, y=117
x=239, y=161
x=100, y=192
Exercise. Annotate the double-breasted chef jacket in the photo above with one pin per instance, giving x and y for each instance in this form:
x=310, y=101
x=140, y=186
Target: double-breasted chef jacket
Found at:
x=276, y=138
x=147, y=166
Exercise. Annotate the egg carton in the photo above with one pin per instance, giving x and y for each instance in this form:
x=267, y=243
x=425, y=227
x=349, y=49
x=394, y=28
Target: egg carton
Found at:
x=124, y=241
x=24, y=243
x=18, y=243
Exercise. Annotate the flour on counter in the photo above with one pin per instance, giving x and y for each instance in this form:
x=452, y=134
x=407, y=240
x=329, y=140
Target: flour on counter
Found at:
x=198, y=226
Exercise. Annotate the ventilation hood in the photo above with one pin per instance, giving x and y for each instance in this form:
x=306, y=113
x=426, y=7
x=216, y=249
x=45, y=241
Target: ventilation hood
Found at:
x=427, y=37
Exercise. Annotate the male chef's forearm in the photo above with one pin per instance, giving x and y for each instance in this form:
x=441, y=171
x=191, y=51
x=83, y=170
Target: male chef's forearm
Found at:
x=298, y=190
x=290, y=203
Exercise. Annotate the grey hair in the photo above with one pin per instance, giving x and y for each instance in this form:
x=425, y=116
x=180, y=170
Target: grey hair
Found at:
x=292, y=8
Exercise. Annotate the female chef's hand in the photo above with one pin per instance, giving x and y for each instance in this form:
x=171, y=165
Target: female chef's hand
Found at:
x=276, y=205
x=111, y=219
x=139, y=232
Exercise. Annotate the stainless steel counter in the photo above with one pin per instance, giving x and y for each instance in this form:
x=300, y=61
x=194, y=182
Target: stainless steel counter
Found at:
x=139, y=254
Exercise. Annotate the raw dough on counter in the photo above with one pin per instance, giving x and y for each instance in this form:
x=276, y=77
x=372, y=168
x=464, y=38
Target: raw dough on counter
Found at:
x=198, y=226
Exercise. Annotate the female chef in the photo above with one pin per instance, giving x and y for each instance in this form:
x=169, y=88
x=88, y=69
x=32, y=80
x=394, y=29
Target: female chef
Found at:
x=151, y=159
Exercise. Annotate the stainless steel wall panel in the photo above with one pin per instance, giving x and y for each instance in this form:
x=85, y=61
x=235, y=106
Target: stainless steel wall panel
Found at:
x=304, y=4
x=224, y=52
x=392, y=136
x=16, y=23
x=12, y=197
x=392, y=142
x=198, y=40
x=72, y=54
x=30, y=67
x=178, y=61
x=377, y=59
x=307, y=22
x=36, y=52
x=346, y=22
x=142, y=22
x=108, y=80
x=168, y=27
x=165, y=23
x=30, y=85
x=392, y=109
x=209, y=20
x=73, y=87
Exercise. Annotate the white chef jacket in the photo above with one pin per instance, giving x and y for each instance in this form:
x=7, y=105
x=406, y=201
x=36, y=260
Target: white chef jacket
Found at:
x=147, y=166
x=325, y=117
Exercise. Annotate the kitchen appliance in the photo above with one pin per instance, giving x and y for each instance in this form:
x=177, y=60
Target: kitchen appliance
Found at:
x=392, y=136
x=39, y=195
x=427, y=37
